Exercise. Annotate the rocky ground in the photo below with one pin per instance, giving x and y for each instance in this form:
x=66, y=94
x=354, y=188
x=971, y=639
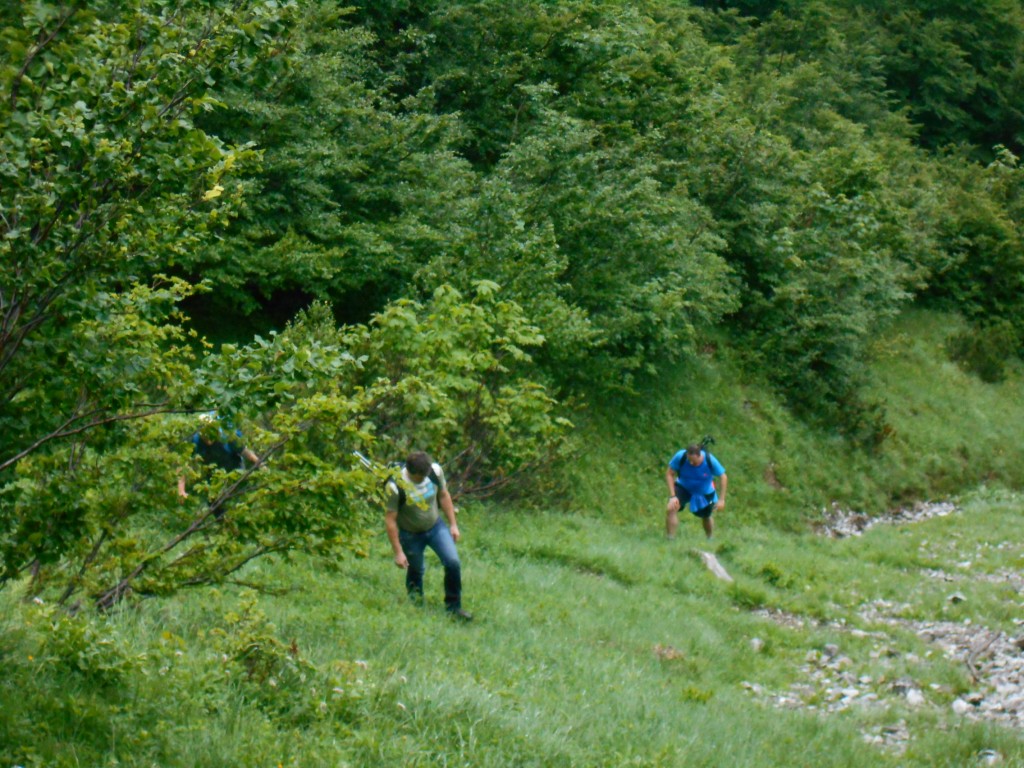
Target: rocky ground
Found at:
x=994, y=660
x=839, y=523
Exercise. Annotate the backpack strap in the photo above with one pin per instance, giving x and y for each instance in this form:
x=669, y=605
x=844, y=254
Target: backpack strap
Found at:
x=431, y=475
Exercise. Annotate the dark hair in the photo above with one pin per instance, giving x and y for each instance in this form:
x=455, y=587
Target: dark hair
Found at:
x=693, y=450
x=419, y=463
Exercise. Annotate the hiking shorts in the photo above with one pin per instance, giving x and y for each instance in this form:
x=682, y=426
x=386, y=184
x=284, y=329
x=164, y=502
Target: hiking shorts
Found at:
x=684, y=497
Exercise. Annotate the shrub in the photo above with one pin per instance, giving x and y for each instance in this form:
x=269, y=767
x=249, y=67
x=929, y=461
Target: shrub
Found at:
x=983, y=350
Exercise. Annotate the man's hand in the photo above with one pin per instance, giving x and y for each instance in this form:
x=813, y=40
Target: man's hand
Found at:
x=401, y=560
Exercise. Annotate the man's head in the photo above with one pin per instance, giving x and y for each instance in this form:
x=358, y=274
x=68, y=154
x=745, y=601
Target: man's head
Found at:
x=418, y=465
x=209, y=427
x=693, y=454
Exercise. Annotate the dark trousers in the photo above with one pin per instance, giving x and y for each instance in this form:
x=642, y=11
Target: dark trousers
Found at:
x=439, y=539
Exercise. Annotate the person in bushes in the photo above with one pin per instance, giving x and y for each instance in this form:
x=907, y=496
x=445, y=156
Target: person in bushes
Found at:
x=413, y=523
x=217, y=447
x=691, y=477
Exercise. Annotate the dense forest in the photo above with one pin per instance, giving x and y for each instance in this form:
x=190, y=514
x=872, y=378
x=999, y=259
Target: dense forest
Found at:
x=457, y=224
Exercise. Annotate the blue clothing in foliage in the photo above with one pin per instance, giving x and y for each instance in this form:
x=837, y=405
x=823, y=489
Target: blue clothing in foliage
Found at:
x=694, y=483
x=224, y=452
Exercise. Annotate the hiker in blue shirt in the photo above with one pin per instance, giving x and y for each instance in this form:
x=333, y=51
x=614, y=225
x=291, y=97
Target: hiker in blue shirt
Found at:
x=691, y=476
x=217, y=447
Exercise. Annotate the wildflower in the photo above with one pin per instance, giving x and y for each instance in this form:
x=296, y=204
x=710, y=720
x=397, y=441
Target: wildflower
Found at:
x=401, y=706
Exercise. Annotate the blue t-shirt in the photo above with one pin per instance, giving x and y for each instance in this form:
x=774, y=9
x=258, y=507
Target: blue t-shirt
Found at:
x=225, y=452
x=696, y=481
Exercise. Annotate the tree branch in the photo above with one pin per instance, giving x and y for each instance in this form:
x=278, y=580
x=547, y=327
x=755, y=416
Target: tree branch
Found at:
x=67, y=429
x=44, y=40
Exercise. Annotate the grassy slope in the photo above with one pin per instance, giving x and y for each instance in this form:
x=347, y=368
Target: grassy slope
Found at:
x=598, y=642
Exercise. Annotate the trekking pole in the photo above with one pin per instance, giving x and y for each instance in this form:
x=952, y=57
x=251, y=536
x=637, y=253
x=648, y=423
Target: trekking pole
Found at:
x=377, y=470
x=370, y=465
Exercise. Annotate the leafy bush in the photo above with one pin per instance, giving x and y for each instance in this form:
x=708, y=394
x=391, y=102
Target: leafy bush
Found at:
x=276, y=676
x=454, y=377
x=983, y=350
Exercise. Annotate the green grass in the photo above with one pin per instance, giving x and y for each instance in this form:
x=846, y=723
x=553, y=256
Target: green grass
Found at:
x=597, y=642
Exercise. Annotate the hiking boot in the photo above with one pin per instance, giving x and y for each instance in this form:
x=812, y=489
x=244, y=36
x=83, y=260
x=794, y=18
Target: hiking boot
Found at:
x=458, y=614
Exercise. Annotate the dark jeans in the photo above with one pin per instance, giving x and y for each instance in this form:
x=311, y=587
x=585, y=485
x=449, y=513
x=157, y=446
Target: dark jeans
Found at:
x=439, y=539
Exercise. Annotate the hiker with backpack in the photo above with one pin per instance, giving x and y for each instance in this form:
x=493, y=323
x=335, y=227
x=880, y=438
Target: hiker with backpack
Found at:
x=691, y=476
x=413, y=524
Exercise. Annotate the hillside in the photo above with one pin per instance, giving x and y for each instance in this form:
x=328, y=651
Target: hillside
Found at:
x=596, y=641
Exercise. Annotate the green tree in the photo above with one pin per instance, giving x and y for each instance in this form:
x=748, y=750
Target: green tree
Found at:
x=356, y=189
x=580, y=216
x=103, y=180
x=827, y=208
x=958, y=67
x=980, y=230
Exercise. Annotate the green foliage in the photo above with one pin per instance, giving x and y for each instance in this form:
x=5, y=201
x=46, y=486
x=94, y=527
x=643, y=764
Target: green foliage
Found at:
x=274, y=675
x=984, y=351
x=355, y=190
x=108, y=507
x=596, y=641
x=980, y=229
x=104, y=181
x=822, y=76
x=79, y=647
x=775, y=575
x=454, y=378
x=957, y=68
x=639, y=180
x=123, y=366
x=89, y=688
